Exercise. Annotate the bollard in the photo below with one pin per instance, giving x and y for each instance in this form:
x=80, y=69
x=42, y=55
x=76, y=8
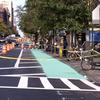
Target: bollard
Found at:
x=60, y=52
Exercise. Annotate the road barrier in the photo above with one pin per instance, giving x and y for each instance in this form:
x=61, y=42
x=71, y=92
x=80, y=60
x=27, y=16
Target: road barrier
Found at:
x=76, y=53
x=13, y=45
x=7, y=47
x=4, y=49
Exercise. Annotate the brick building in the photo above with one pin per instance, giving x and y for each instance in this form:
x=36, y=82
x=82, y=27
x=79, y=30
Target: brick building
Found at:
x=4, y=14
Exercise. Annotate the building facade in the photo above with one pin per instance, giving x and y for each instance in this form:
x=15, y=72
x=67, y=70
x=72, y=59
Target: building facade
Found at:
x=4, y=13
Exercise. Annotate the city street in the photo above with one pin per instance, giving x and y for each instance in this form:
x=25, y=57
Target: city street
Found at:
x=49, y=49
x=33, y=75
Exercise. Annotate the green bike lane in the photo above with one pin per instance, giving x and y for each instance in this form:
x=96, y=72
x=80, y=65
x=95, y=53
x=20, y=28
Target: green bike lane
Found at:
x=55, y=68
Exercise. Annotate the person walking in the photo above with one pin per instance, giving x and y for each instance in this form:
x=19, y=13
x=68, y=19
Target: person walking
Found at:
x=65, y=44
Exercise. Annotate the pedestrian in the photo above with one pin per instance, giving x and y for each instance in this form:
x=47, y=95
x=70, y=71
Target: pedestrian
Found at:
x=65, y=44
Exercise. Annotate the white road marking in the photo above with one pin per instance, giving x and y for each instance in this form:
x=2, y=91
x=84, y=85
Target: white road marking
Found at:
x=28, y=62
x=19, y=75
x=23, y=83
x=59, y=93
x=41, y=88
x=18, y=60
x=91, y=84
x=46, y=83
x=20, y=67
x=69, y=84
x=29, y=58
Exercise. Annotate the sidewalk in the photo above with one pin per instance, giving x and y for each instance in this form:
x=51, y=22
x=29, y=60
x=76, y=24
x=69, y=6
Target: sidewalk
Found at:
x=92, y=75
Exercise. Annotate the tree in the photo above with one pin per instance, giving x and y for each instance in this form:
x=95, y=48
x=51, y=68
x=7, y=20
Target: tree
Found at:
x=4, y=30
x=47, y=15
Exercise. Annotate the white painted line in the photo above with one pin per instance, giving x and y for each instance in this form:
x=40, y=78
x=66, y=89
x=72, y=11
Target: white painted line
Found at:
x=54, y=89
x=20, y=67
x=19, y=75
x=46, y=83
x=18, y=60
x=28, y=59
x=23, y=83
x=29, y=55
x=69, y=84
x=91, y=84
x=28, y=62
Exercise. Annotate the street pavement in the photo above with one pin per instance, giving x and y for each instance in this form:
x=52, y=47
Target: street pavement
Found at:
x=25, y=78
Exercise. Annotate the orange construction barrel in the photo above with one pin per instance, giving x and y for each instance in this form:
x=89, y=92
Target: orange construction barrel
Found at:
x=4, y=49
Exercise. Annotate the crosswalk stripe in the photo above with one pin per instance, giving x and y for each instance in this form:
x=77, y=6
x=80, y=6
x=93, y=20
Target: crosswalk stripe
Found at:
x=46, y=83
x=91, y=84
x=19, y=75
x=23, y=82
x=69, y=84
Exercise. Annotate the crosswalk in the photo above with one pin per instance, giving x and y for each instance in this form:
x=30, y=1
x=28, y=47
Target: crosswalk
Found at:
x=45, y=83
x=28, y=74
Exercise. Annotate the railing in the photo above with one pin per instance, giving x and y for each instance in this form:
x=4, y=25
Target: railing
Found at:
x=87, y=58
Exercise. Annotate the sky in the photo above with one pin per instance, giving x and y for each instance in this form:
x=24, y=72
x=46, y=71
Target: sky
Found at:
x=18, y=2
x=15, y=4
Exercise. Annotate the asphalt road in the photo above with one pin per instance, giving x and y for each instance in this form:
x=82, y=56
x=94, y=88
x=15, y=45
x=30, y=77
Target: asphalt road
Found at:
x=25, y=79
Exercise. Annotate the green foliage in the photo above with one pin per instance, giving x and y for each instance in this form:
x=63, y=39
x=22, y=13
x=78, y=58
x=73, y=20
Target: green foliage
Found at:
x=74, y=15
x=4, y=31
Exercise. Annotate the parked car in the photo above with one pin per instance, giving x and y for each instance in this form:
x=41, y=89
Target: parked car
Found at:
x=2, y=40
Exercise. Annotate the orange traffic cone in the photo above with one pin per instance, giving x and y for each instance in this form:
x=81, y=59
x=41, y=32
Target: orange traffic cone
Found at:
x=4, y=49
x=13, y=45
x=8, y=47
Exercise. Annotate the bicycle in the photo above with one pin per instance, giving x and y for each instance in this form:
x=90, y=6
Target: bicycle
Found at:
x=86, y=59
x=73, y=54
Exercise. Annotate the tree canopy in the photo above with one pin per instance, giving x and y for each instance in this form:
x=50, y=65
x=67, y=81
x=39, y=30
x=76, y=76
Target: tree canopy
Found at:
x=46, y=15
x=4, y=31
